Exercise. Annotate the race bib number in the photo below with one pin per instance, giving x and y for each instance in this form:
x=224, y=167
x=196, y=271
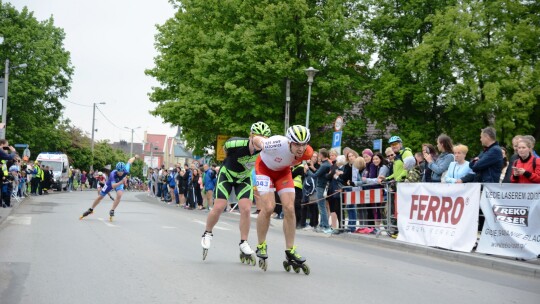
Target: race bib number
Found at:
x=263, y=183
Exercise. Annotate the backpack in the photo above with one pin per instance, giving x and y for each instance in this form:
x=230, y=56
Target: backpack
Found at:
x=309, y=187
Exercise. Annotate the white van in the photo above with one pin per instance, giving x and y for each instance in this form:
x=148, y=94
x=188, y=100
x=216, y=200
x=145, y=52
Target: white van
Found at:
x=59, y=163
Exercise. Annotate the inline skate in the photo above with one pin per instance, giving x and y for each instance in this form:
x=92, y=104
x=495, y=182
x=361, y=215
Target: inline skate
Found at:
x=295, y=260
x=86, y=213
x=246, y=254
x=111, y=215
x=261, y=253
x=205, y=243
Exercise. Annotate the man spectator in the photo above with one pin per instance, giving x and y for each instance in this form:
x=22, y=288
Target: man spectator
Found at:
x=209, y=184
x=321, y=182
x=46, y=182
x=398, y=171
x=7, y=156
x=488, y=164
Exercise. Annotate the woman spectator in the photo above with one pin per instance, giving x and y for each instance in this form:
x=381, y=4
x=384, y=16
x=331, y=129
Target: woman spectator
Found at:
x=526, y=169
x=383, y=171
x=196, y=182
x=309, y=206
x=180, y=186
x=460, y=167
x=350, y=177
x=371, y=170
x=381, y=164
x=334, y=186
x=440, y=166
x=426, y=173
x=390, y=156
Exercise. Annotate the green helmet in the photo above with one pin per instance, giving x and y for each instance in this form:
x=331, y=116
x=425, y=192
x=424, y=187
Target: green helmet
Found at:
x=298, y=134
x=260, y=128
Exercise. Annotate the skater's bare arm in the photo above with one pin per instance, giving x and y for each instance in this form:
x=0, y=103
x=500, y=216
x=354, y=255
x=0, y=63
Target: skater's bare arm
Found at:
x=131, y=160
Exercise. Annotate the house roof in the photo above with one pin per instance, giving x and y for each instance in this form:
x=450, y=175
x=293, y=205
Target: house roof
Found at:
x=157, y=140
x=180, y=151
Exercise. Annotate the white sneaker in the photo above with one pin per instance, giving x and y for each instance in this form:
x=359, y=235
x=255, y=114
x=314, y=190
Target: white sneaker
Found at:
x=244, y=247
x=206, y=240
x=308, y=228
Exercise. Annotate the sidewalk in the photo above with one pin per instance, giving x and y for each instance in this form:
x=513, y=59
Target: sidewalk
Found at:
x=500, y=263
x=5, y=212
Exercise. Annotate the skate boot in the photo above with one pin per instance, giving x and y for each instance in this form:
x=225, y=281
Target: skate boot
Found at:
x=86, y=213
x=246, y=254
x=111, y=215
x=261, y=253
x=295, y=260
x=205, y=243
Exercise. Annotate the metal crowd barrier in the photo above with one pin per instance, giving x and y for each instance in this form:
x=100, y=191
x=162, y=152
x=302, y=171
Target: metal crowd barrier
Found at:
x=362, y=208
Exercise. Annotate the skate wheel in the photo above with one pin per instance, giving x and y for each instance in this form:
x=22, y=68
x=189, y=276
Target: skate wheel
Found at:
x=111, y=218
x=305, y=269
x=253, y=261
x=262, y=264
x=242, y=259
x=296, y=269
x=204, y=253
x=81, y=217
x=286, y=266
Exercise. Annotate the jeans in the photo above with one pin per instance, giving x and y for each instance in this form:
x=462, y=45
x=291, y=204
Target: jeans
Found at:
x=321, y=203
x=351, y=213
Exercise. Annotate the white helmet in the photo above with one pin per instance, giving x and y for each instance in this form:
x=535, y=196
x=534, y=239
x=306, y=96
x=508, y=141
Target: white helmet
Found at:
x=298, y=134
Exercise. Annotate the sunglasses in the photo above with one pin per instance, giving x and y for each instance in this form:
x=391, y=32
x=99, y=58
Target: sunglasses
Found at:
x=390, y=155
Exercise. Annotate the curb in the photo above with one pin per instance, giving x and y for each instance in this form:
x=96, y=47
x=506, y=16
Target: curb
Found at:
x=474, y=259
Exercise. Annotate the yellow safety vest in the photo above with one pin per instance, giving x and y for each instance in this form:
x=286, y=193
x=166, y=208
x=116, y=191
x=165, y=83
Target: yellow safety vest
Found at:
x=297, y=179
x=4, y=168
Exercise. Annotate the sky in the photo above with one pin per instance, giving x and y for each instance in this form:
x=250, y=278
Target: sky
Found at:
x=111, y=44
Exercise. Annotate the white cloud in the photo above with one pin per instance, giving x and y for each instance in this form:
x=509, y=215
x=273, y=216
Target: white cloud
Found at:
x=111, y=44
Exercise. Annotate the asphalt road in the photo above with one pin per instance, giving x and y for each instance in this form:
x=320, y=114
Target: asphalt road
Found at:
x=151, y=254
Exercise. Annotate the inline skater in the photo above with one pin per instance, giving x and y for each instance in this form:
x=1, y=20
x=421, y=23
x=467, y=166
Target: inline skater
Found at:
x=273, y=168
x=235, y=173
x=115, y=181
x=101, y=180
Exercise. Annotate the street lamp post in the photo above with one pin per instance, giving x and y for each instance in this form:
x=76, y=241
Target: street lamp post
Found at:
x=131, y=149
x=310, y=72
x=93, y=129
x=5, y=99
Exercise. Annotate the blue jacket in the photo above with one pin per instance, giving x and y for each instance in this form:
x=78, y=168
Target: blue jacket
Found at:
x=320, y=174
x=489, y=165
x=439, y=166
x=209, y=180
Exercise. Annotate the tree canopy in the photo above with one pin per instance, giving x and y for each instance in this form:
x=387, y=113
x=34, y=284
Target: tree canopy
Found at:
x=222, y=64
x=34, y=108
x=420, y=68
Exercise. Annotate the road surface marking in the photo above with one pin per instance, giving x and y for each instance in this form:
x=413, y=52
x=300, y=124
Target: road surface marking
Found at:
x=106, y=222
x=215, y=227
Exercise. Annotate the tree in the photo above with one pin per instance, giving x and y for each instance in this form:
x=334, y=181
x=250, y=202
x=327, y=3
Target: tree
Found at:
x=456, y=67
x=222, y=65
x=34, y=108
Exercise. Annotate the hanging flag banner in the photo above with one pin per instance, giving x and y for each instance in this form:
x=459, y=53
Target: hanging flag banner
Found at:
x=438, y=215
x=512, y=220
x=220, y=151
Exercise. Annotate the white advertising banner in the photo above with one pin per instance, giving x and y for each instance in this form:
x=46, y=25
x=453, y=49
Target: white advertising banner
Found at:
x=438, y=215
x=512, y=220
